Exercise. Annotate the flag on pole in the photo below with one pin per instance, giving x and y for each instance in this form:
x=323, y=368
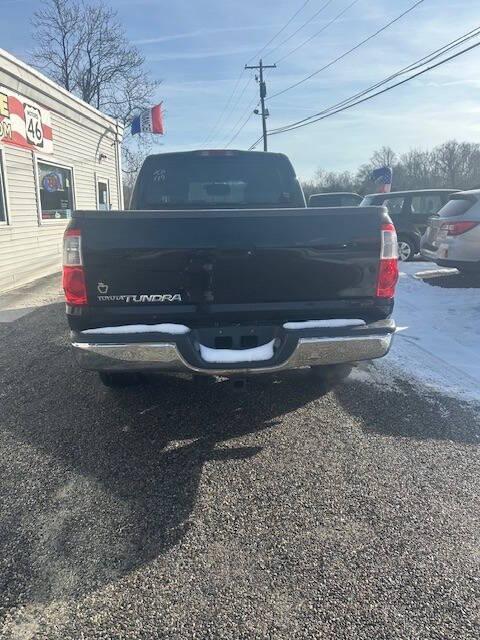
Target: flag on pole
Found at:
x=383, y=178
x=149, y=121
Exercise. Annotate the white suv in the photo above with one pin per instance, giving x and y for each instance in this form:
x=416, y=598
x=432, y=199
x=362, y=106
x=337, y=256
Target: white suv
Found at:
x=452, y=238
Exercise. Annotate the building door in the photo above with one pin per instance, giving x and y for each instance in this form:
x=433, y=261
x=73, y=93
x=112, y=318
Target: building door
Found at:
x=103, y=195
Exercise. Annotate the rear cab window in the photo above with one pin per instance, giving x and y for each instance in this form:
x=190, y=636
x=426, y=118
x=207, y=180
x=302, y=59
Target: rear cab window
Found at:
x=350, y=201
x=394, y=204
x=222, y=180
x=323, y=201
x=456, y=206
x=334, y=200
x=426, y=204
x=369, y=201
x=326, y=201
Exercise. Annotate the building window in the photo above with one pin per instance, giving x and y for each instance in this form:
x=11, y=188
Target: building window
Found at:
x=103, y=196
x=3, y=194
x=56, y=191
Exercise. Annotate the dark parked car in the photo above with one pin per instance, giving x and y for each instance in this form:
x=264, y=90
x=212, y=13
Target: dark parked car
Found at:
x=337, y=199
x=221, y=269
x=410, y=211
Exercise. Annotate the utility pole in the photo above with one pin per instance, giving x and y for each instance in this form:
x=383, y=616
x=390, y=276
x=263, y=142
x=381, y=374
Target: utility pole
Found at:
x=263, y=93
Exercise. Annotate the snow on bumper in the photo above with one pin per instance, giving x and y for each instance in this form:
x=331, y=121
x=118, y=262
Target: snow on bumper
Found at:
x=179, y=353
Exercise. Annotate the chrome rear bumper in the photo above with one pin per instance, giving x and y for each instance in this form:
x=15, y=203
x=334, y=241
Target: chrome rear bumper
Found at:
x=166, y=356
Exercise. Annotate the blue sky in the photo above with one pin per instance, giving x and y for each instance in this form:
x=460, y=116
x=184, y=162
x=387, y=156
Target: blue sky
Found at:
x=198, y=48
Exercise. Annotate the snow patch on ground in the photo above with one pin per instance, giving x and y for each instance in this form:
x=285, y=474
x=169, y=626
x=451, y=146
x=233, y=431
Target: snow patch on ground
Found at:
x=176, y=329
x=369, y=372
x=257, y=354
x=322, y=324
x=435, y=273
x=439, y=345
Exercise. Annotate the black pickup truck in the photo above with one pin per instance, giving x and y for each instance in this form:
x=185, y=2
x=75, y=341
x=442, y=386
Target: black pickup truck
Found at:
x=219, y=268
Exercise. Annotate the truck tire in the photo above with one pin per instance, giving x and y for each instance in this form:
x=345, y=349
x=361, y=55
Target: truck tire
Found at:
x=331, y=374
x=118, y=380
x=406, y=249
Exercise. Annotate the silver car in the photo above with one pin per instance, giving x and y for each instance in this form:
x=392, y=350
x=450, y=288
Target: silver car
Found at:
x=452, y=238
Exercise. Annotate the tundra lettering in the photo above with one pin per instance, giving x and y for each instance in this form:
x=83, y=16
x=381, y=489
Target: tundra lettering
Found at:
x=162, y=297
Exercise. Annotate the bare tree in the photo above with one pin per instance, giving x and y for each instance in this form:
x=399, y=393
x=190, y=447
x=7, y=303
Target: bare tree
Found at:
x=457, y=163
x=384, y=157
x=416, y=170
x=110, y=74
x=449, y=161
x=452, y=164
x=330, y=181
x=59, y=34
x=133, y=156
x=83, y=47
x=364, y=174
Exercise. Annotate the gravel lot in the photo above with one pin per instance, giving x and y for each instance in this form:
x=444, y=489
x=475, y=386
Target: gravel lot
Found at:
x=187, y=510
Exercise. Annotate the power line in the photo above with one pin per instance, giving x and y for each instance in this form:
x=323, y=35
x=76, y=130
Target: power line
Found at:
x=411, y=67
x=244, y=121
x=243, y=113
x=224, y=110
x=287, y=24
x=252, y=147
x=291, y=19
x=249, y=110
x=357, y=46
x=292, y=35
x=226, y=133
x=324, y=28
x=416, y=65
x=329, y=112
x=349, y=101
x=219, y=122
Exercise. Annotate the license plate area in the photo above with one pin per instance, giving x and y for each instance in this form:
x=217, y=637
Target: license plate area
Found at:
x=236, y=337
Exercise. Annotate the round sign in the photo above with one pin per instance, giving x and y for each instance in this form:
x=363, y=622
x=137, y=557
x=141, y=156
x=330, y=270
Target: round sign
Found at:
x=52, y=182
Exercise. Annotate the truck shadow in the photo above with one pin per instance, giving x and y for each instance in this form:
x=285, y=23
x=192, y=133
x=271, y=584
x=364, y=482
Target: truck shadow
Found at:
x=455, y=281
x=100, y=482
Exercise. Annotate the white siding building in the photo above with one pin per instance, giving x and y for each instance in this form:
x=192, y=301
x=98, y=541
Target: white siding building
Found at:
x=56, y=154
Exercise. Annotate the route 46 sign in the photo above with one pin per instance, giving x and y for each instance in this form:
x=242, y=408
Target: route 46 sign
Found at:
x=24, y=123
x=33, y=125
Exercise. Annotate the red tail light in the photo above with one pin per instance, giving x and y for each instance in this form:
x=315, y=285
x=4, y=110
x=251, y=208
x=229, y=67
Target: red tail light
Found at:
x=457, y=228
x=388, y=268
x=387, y=278
x=73, y=273
x=74, y=286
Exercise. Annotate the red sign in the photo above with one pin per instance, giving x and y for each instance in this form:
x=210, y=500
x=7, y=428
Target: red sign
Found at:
x=24, y=123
